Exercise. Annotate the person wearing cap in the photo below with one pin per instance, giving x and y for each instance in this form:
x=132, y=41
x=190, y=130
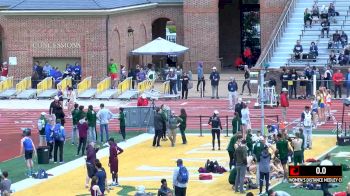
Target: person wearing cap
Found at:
x=306, y=121
x=215, y=123
x=172, y=77
x=142, y=100
x=174, y=123
x=41, y=128
x=180, y=187
x=55, y=104
x=284, y=103
x=114, y=151
x=214, y=79
x=232, y=93
x=28, y=147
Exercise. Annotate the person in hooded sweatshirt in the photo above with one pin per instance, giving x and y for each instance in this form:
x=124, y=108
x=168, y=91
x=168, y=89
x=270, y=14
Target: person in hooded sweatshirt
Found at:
x=83, y=129
x=264, y=169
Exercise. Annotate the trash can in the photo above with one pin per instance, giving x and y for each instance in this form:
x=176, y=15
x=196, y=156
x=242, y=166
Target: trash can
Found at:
x=43, y=154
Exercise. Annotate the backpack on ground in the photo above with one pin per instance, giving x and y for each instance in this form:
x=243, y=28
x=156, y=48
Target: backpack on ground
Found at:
x=41, y=174
x=58, y=133
x=182, y=177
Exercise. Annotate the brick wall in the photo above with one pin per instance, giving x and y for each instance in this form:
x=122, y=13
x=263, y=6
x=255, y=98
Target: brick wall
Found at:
x=24, y=36
x=270, y=11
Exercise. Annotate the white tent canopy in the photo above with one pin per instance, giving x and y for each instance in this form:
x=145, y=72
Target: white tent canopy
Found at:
x=160, y=46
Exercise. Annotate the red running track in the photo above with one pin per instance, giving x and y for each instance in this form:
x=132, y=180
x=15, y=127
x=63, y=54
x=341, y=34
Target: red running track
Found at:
x=12, y=120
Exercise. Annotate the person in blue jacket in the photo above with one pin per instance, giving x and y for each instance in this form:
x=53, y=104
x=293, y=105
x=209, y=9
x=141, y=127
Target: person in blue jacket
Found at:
x=49, y=134
x=28, y=147
x=59, y=138
x=214, y=78
x=77, y=71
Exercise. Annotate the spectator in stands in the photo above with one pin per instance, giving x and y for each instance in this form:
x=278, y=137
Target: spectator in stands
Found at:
x=298, y=50
x=200, y=74
x=57, y=77
x=141, y=75
x=325, y=27
x=47, y=68
x=338, y=82
x=293, y=76
x=214, y=78
x=331, y=10
x=332, y=58
x=284, y=103
x=343, y=39
x=4, y=71
x=172, y=78
x=315, y=12
x=284, y=78
x=336, y=39
x=239, y=62
x=324, y=13
x=307, y=18
x=248, y=56
x=343, y=59
x=313, y=49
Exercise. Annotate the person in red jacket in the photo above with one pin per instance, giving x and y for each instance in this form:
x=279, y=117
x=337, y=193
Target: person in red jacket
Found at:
x=248, y=56
x=338, y=79
x=284, y=103
x=4, y=71
x=239, y=62
x=142, y=100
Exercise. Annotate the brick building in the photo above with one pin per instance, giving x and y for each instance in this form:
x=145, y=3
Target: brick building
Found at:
x=94, y=31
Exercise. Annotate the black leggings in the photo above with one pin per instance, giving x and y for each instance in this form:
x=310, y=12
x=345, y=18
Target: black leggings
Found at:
x=217, y=132
x=265, y=176
x=122, y=131
x=82, y=144
x=58, y=146
x=230, y=154
x=293, y=89
x=199, y=82
x=246, y=82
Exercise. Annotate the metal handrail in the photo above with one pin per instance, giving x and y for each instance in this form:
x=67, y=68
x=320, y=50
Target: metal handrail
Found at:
x=277, y=33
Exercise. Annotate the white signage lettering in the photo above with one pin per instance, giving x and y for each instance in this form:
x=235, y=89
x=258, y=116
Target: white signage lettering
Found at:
x=56, y=45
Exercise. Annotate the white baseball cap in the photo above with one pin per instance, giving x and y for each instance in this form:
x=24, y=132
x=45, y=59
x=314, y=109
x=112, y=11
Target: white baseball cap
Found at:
x=216, y=112
x=56, y=98
x=143, y=96
x=213, y=67
x=43, y=113
x=284, y=90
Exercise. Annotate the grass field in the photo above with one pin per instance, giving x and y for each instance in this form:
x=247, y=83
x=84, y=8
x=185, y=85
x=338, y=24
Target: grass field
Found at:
x=16, y=167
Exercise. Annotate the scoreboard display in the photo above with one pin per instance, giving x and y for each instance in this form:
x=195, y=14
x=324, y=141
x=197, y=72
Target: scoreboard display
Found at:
x=315, y=174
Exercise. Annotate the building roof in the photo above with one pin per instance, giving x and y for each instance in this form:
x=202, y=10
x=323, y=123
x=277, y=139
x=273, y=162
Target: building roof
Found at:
x=72, y=4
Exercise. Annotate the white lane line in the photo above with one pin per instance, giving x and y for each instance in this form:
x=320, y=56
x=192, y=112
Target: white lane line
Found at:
x=184, y=103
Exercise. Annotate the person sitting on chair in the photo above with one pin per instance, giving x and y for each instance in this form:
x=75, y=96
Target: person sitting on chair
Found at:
x=325, y=27
x=336, y=39
x=298, y=50
x=313, y=49
x=343, y=39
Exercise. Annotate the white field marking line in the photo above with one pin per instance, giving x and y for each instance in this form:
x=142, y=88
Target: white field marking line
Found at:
x=307, y=164
x=67, y=167
x=184, y=103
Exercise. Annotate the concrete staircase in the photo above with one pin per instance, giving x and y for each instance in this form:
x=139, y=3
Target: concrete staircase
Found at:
x=295, y=31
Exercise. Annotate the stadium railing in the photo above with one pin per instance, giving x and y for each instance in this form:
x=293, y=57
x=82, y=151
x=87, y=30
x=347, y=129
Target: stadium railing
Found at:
x=104, y=85
x=24, y=84
x=84, y=85
x=45, y=84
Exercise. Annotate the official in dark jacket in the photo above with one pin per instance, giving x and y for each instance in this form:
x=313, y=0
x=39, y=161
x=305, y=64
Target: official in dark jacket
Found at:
x=214, y=79
x=216, y=127
x=158, y=127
